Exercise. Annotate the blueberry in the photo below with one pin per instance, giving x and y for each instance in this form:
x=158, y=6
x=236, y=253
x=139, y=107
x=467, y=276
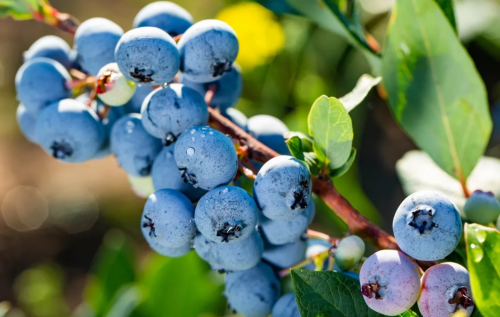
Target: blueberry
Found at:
x=390, y=282
x=133, y=147
x=482, y=207
x=286, y=255
x=164, y=15
x=445, y=290
x=349, y=252
x=282, y=188
x=165, y=174
x=40, y=82
x=135, y=103
x=52, y=47
x=69, y=131
x=283, y=232
x=148, y=56
x=27, y=122
x=237, y=117
x=208, y=50
x=270, y=131
x=112, y=87
x=427, y=226
x=227, y=89
x=171, y=252
x=95, y=42
x=240, y=255
x=253, y=292
x=286, y=306
x=206, y=157
x=169, y=111
x=167, y=219
x=226, y=214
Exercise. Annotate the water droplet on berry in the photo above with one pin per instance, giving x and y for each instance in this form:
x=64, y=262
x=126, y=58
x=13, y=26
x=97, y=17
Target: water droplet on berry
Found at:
x=193, y=131
x=225, y=190
x=192, y=138
x=203, y=135
x=190, y=151
x=130, y=126
x=211, y=132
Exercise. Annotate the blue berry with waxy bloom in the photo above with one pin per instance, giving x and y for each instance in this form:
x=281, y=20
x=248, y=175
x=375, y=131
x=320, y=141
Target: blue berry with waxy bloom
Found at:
x=206, y=157
x=282, y=188
x=286, y=306
x=270, y=131
x=171, y=252
x=445, y=290
x=165, y=15
x=482, y=207
x=227, y=89
x=226, y=214
x=134, y=105
x=169, y=111
x=52, y=47
x=208, y=50
x=147, y=56
x=427, y=226
x=285, y=255
x=237, y=117
x=240, y=255
x=134, y=148
x=167, y=219
x=390, y=282
x=40, y=82
x=69, y=131
x=165, y=174
x=27, y=122
x=349, y=252
x=283, y=232
x=95, y=42
x=253, y=292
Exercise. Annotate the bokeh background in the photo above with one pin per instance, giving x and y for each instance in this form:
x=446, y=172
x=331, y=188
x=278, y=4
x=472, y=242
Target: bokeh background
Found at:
x=70, y=240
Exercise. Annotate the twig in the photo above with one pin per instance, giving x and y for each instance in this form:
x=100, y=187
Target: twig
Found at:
x=320, y=235
x=246, y=171
x=209, y=95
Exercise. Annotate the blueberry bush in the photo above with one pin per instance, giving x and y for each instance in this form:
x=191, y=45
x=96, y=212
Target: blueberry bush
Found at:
x=232, y=201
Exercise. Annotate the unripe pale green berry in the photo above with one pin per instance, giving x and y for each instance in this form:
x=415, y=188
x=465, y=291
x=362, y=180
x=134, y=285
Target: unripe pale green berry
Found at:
x=141, y=186
x=112, y=87
x=349, y=252
x=482, y=207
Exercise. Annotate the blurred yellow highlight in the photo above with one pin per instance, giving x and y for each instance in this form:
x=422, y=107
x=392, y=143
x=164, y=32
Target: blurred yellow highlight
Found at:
x=261, y=37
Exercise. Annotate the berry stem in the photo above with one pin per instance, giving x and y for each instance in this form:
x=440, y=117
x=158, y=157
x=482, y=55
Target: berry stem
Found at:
x=177, y=38
x=246, y=171
x=209, y=95
x=323, y=236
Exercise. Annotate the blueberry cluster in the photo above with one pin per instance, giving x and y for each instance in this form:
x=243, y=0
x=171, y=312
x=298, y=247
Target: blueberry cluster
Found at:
x=427, y=227
x=141, y=96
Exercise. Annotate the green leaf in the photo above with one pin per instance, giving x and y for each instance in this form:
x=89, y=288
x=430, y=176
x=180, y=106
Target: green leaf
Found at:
x=483, y=258
x=359, y=93
x=434, y=89
x=127, y=299
x=417, y=171
x=113, y=269
x=331, y=128
x=344, y=168
x=182, y=286
x=307, y=141
x=449, y=12
x=296, y=146
x=332, y=294
x=329, y=17
x=19, y=9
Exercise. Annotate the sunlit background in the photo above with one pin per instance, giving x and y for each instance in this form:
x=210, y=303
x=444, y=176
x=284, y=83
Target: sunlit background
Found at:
x=69, y=234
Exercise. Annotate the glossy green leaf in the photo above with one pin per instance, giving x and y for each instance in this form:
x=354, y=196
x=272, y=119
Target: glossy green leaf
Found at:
x=331, y=128
x=19, y=9
x=483, y=258
x=359, y=93
x=332, y=294
x=296, y=146
x=344, y=168
x=307, y=141
x=182, y=286
x=113, y=269
x=449, y=12
x=329, y=17
x=434, y=89
x=127, y=299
